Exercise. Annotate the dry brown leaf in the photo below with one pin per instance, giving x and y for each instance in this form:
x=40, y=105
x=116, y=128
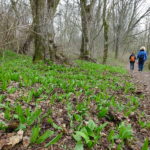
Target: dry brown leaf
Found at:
x=2, y=143
x=11, y=140
x=16, y=139
x=26, y=141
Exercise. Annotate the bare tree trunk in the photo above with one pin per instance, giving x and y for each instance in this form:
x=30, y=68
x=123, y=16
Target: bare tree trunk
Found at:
x=16, y=23
x=105, y=24
x=84, y=45
x=51, y=10
x=38, y=7
x=86, y=20
x=117, y=46
x=43, y=14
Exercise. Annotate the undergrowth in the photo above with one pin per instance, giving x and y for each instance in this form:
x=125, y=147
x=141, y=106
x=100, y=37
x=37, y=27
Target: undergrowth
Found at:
x=53, y=102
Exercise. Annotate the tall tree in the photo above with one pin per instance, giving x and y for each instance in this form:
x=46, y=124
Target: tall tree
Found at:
x=43, y=12
x=86, y=22
x=105, y=25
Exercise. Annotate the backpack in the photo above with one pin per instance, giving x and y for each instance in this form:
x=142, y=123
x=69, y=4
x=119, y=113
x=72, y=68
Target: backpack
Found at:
x=141, y=57
x=132, y=58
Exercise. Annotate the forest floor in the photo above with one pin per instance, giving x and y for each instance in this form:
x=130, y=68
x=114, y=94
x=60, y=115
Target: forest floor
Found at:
x=79, y=107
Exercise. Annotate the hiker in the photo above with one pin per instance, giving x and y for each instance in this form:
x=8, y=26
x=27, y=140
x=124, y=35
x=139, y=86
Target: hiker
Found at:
x=142, y=57
x=132, y=59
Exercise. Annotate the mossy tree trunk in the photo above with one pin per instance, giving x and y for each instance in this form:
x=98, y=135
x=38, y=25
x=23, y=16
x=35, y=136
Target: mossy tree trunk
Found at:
x=38, y=7
x=106, y=27
x=86, y=20
x=51, y=10
x=43, y=12
x=116, y=46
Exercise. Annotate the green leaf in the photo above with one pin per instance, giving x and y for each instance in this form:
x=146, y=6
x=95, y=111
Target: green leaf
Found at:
x=88, y=131
x=20, y=113
x=101, y=127
x=54, y=140
x=21, y=127
x=125, y=131
x=77, y=137
x=77, y=117
x=35, y=134
x=46, y=135
x=56, y=126
x=145, y=145
x=33, y=117
x=92, y=125
x=112, y=136
x=79, y=146
x=103, y=112
x=83, y=135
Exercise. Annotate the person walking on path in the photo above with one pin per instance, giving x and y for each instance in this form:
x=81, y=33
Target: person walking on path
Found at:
x=142, y=57
x=132, y=59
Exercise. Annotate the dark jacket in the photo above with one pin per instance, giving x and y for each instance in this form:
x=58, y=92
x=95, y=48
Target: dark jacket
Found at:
x=142, y=52
x=131, y=56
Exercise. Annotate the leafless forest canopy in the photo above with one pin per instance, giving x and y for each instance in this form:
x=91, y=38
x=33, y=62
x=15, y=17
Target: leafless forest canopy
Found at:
x=89, y=29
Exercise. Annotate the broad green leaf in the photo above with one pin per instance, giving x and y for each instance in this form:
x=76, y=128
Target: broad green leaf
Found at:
x=78, y=117
x=101, y=127
x=77, y=137
x=79, y=146
x=20, y=113
x=103, y=112
x=35, y=134
x=125, y=131
x=83, y=135
x=21, y=127
x=56, y=126
x=90, y=144
x=46, y=135
x=54, y=140
x=145, y=145
x=92, y=125
x=33, y=117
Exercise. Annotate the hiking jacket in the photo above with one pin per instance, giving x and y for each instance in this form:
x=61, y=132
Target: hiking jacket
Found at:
x=131, y=56
x=142, y=52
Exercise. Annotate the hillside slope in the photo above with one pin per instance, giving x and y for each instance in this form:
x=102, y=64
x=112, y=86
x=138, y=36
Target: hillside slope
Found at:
x=85, y=106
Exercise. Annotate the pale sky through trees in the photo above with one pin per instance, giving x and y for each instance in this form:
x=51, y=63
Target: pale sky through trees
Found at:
x=67, y=23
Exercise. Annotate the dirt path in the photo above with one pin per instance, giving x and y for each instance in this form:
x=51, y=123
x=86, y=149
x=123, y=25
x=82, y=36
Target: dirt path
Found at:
x=141, y=78
x=142, y=81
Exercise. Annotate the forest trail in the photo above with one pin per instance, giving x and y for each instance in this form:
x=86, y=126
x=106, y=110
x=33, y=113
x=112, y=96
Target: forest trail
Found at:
x=141, y=78
x=142, y=84
x=142, y=81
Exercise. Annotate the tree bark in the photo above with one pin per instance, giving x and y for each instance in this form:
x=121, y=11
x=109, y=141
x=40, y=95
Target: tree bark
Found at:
x=105, y=25
x=86, y=21
x=51, y=46
x=117, y=47
x=43, y=14
x=38, y=7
